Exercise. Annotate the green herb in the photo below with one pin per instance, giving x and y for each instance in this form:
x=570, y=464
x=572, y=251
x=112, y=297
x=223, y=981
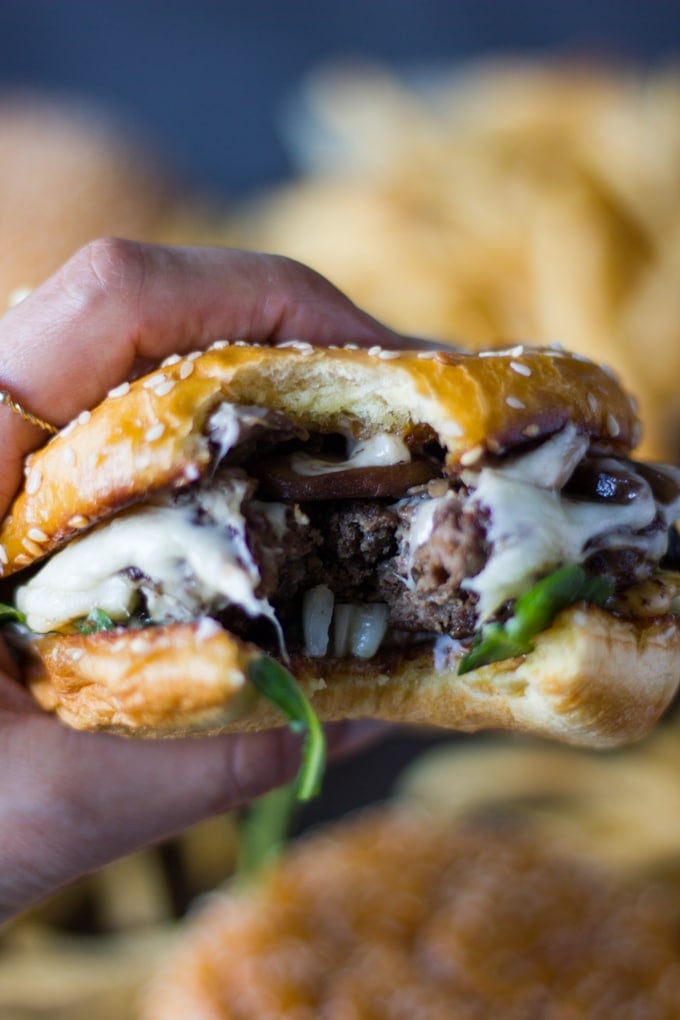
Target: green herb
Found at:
x=9, y=614
x=95, y=621
x=533, y=612
x=275, y=683
x=264, y=832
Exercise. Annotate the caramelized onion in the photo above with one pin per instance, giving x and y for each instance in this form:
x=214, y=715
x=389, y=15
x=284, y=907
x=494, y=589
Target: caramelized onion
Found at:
x=278, y=480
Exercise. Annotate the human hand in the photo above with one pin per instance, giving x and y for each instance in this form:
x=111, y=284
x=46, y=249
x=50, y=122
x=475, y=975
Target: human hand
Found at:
x=70, y=801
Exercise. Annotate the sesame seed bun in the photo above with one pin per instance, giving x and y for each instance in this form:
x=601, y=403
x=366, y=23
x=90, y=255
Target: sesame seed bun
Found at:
x=151, y=434
x=594, y=678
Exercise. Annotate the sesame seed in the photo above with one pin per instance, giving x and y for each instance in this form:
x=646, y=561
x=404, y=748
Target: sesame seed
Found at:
x=471, y=456
x=79, y=521
x=515, y=402
x=350, y=347
x=69, y=455
x=301, y=346
x=454, y=429
x=33, y=482
x=442, y=358
x=426, y=355
x=154, y=380
x=155, y=432
x=165, y=388
x=3, y=555
x=120, y=391
x=76, y=653
x=186, y=369
x=531, y=431
x=21, y=560
x=37, y=535
x=27, y=463
x=389, y=355
x=516, y=352
x=592, y=402
x=375, y=351
x=488, y=353
x=244, y=343
x=194, y=355
x=142, y=462
x=521, y=369
x=18, y=295
x=32, y=547
x=83, y=417
x=613, y=427
x=219, y=345
x=494, y=445
x=68, y=429
x=171, y=360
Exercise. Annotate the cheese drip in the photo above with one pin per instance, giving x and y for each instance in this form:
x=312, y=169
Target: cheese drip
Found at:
x=188, y=567
x=534, y=527
x=380, y=450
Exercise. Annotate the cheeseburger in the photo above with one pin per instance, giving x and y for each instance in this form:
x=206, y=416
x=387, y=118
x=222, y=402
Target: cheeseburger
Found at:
x=450, y=538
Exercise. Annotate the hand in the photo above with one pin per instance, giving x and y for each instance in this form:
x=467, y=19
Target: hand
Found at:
x=69, y=801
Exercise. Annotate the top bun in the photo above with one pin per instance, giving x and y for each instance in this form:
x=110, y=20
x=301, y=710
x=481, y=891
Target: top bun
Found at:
x=153, y=433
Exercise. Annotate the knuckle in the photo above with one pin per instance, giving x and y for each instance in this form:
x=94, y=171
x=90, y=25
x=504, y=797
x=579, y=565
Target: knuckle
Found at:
x=108, y=267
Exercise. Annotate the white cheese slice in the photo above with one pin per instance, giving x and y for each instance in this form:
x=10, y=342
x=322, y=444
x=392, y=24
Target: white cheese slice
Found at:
x=192, y=566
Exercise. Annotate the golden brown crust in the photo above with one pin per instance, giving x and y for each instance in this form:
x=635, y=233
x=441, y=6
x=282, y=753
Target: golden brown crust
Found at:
x=152, y=435
x=393, y=914
x=593, y=679
x=162, y=681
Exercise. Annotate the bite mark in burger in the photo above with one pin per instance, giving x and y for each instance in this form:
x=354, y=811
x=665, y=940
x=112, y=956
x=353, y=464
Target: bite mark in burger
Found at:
x=459, y=539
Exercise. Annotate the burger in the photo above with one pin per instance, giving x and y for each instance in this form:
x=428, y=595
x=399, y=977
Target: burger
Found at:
x=393, y=914
x=435, y=537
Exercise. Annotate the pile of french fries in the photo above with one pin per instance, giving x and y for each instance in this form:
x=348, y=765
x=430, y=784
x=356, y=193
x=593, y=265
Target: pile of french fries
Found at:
x=522, y=202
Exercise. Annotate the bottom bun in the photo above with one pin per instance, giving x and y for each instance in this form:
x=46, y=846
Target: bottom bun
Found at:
x=394, y=915
x=593, y=678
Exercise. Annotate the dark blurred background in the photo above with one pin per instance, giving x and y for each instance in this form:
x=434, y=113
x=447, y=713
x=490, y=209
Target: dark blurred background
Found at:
x=206, y=82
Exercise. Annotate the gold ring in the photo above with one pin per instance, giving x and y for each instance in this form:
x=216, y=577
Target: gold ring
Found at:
x=9, y=401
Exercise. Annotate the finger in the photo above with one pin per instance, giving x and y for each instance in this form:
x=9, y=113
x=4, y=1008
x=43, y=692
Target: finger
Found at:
x=72, y=801
x=80, y=333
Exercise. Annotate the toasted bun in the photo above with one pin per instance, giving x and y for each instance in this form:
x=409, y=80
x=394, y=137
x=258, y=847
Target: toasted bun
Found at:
x=593, y=679
x=394, y=914
x=152, y=434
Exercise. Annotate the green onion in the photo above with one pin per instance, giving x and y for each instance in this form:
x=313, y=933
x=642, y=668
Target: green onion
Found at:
x=275, y=683
x=265, y=830
x=95, y=621
x=533, y=612
x=9, y=614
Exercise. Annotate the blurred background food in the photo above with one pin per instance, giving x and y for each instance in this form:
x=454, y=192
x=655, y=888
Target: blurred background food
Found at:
x=395, y=914
x=476, y=173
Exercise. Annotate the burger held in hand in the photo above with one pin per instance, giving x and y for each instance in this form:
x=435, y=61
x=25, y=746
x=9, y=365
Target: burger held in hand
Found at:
x=446, y=538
